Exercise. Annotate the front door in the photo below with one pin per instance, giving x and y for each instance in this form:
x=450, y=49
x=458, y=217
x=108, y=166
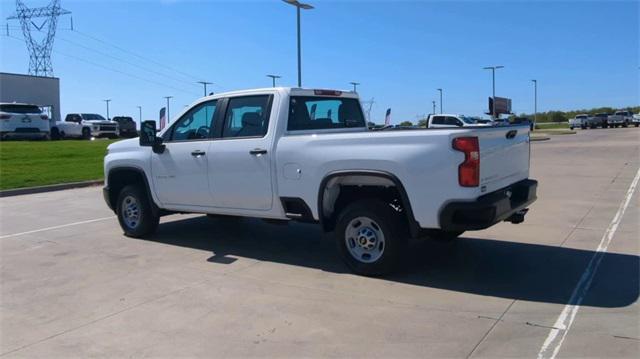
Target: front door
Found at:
x=180, y=172
x=240, y=161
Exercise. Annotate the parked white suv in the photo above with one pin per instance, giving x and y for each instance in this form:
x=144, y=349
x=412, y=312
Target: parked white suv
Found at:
x=85, y=125
x=291, y=154
x=23, y=121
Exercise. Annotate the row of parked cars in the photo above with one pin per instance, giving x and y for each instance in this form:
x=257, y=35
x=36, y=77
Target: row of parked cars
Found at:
x=604, y=120
x=24, y=121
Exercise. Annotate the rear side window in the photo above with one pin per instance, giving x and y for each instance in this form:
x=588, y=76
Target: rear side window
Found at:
x=321, y=113
x=438, y=120
x=246, y=117
x=20, y=109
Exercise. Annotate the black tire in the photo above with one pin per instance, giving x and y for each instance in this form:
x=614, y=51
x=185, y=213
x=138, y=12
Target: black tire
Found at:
x=637, y=124
x=571, y=127
x=444, y=236
x=382, y=219
x=86, y=133
x=55, y=134
x=146, y=222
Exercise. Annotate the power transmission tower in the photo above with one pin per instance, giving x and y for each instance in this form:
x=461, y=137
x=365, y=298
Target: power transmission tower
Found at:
x=368, y=105
x=39, y=50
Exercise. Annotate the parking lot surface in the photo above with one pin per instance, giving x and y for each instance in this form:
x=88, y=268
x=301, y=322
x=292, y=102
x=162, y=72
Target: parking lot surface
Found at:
x=565, y=282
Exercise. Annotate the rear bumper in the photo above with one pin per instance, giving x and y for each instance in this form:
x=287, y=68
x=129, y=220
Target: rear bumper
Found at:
x=488, y=209
x=25, y=135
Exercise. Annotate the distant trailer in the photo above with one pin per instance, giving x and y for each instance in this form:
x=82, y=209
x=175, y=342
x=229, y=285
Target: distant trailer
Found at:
x=34, y=90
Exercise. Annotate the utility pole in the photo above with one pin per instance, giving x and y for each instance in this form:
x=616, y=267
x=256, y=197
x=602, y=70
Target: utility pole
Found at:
x=205, y=83
x=535, y=102
x=493, y=76
x=355, y=84
x=168, y=117
x=273, y=79
x=107, y=102
x=434, y=107
x=299, y=6
x=140, y=110
x=440, y=99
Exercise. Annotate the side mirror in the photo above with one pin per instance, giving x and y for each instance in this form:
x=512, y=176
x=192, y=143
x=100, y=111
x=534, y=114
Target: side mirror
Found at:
x=148, y=137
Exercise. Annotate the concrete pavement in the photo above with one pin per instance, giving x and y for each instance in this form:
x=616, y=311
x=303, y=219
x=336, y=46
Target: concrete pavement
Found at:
x=73, y=286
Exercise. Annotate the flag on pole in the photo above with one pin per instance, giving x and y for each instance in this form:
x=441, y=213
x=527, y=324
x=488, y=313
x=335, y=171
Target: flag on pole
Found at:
x=163, y=117
x=387, y=117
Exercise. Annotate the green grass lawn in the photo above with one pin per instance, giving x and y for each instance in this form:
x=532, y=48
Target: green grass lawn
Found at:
x=38, y=163
x=551, y=125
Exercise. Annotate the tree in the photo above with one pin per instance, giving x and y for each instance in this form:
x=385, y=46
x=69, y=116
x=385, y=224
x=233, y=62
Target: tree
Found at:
x=422, y=123
x=406, y=123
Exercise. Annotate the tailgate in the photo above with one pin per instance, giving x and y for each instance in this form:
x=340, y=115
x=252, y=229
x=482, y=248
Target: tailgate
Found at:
x=504, y=156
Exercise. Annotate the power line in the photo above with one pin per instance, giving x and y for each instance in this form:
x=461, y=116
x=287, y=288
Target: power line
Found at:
x=196, y=78
x=127, y=62
x=115, y=70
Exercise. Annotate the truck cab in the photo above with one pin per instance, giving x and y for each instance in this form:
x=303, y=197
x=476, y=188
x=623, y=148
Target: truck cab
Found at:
x=451, y=120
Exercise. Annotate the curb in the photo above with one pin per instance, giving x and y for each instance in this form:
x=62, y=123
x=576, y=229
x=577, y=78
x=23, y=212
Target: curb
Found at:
x=540, y=138
x=49, y=188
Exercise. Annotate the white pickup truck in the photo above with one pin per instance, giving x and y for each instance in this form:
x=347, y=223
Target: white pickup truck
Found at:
x=84, y=125
x=451, y=120
x=291, y=154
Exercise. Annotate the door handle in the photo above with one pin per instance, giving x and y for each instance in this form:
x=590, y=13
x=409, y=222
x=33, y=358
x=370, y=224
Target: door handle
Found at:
x=258, y=151
x=198, y=153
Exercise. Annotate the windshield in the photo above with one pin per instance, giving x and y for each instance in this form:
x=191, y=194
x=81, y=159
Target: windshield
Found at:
x=20, y=109
x=92, y=117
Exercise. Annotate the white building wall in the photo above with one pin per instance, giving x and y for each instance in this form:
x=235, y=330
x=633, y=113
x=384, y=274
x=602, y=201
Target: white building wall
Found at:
x=41, y=91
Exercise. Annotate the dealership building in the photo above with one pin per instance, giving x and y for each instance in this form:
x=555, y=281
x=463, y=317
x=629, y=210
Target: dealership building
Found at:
x=33, y=90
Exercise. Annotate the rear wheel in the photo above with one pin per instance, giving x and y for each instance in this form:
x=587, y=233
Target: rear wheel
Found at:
x=370, y=237
x=55, y=134
x=134, y=212
x=86, y=133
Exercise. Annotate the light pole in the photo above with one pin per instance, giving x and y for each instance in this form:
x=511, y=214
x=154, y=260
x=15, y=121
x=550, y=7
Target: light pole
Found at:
x=168, y=98
x=140, y=113
x=205, y=83
x=535, y=102
x=355, y=84
x=273, y=79
x=493, y=76
x=440, y=99
x=434, y=107
x=107, y=101
x=299, y=6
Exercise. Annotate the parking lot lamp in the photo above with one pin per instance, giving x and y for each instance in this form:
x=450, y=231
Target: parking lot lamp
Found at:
x=168, y=98
x=205, y=83
x=107, y=102
x=140, y=113
x=434, y=107
x=493, y=76
x=273, y=79
x=299, y=6
x=355, y=85
x=440, y=99
x=535, y=102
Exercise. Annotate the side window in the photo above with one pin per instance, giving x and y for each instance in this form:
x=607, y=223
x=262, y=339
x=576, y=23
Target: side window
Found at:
x=321, y=113
x=195, y=124
x=453, y=121
x=246, y=117
x=438, y=120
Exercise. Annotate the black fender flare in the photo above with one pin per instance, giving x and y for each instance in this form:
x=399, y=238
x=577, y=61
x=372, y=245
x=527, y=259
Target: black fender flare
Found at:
x=147, y=187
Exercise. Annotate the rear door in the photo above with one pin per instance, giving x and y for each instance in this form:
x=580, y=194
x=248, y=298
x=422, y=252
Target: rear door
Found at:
x=240, y=160
x=504, y=156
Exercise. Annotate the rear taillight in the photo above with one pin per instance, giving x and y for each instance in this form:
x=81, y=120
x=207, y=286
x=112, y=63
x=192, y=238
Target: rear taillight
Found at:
x=5, y=117
x=327, y=92
x=469, y=170
x=44, y=117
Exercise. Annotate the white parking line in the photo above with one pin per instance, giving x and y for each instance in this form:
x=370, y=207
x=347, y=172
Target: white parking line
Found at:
x=56, y=227
x=564, y=321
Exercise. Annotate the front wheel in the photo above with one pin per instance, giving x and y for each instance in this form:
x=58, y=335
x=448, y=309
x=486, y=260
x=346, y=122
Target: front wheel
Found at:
x=86, y=133
x=135, y=214
x=370, y=237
